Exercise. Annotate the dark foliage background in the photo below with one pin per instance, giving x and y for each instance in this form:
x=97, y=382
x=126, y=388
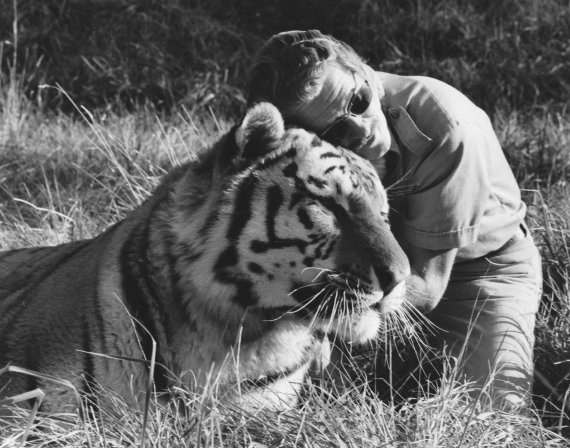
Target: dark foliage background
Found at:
x=512, y=54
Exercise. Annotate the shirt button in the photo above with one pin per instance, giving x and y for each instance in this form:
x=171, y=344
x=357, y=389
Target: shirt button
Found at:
x=394, y=113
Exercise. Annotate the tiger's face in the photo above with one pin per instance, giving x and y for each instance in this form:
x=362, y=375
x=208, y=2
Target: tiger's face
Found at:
x=301, y=231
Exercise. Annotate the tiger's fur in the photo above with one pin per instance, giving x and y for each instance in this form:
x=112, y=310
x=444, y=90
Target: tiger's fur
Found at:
x=238, y=266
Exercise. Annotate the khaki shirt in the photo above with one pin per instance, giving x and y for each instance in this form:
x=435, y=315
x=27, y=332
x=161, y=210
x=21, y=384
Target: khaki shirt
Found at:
x=450, y=184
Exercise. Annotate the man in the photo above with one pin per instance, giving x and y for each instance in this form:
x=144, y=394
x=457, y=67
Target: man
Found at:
x=456, y=207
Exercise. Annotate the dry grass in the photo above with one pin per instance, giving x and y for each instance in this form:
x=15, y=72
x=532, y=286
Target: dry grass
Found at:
x=350, y=419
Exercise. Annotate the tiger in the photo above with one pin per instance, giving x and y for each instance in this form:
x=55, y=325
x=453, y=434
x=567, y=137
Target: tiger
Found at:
x=238, y=267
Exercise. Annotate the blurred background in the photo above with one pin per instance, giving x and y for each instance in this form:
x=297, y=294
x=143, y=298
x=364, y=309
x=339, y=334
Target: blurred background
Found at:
x=508, y=54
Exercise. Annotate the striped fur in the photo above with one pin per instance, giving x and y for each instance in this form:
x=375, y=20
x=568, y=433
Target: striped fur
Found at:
x=238, y=266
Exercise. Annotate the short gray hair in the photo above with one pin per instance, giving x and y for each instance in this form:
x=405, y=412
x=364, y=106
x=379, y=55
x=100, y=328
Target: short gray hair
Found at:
x=287, y=69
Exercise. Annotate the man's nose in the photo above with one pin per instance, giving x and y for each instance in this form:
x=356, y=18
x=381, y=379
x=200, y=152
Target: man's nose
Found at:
x=358, y=133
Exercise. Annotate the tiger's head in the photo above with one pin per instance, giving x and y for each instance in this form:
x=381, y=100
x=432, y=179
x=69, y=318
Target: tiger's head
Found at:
x=295, y=228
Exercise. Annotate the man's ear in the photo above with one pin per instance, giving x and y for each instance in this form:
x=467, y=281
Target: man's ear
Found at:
x=260, y=131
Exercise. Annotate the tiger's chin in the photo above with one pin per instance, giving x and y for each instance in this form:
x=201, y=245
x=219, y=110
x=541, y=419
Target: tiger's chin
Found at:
x=392, y=301
x=363, y=325
x=359, y=329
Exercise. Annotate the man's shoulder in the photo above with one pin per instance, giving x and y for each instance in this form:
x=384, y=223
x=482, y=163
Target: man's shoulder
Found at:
x=435, y=107
x=422, y=90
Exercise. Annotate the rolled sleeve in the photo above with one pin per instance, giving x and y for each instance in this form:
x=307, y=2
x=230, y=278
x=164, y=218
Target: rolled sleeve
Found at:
x=451, y=187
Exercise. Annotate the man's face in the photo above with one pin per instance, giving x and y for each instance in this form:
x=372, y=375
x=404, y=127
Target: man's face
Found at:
x=340, y=114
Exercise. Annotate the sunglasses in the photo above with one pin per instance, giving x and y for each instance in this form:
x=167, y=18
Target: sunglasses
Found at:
x=359, y=102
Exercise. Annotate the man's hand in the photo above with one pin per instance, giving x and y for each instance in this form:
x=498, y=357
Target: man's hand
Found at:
x=431, y=270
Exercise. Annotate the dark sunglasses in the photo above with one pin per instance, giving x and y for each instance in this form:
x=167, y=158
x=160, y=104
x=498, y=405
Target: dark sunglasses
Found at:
x=359, y=102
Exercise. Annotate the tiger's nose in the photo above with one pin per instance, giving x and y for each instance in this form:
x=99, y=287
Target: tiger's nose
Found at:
x=390, y=277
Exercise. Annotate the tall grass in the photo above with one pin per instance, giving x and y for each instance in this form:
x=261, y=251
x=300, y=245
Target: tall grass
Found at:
x=351, y=418
x=92, y=170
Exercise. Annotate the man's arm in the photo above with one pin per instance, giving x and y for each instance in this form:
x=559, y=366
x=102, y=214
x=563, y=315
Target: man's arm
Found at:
x=431, y=270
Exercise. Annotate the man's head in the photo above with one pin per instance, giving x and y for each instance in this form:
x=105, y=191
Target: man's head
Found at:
x=320, y=83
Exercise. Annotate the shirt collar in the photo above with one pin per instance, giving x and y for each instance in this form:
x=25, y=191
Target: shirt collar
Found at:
x=381, y=163
x=382, y=96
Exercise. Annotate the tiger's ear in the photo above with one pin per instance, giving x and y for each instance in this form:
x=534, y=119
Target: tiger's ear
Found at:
x=260, y=131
